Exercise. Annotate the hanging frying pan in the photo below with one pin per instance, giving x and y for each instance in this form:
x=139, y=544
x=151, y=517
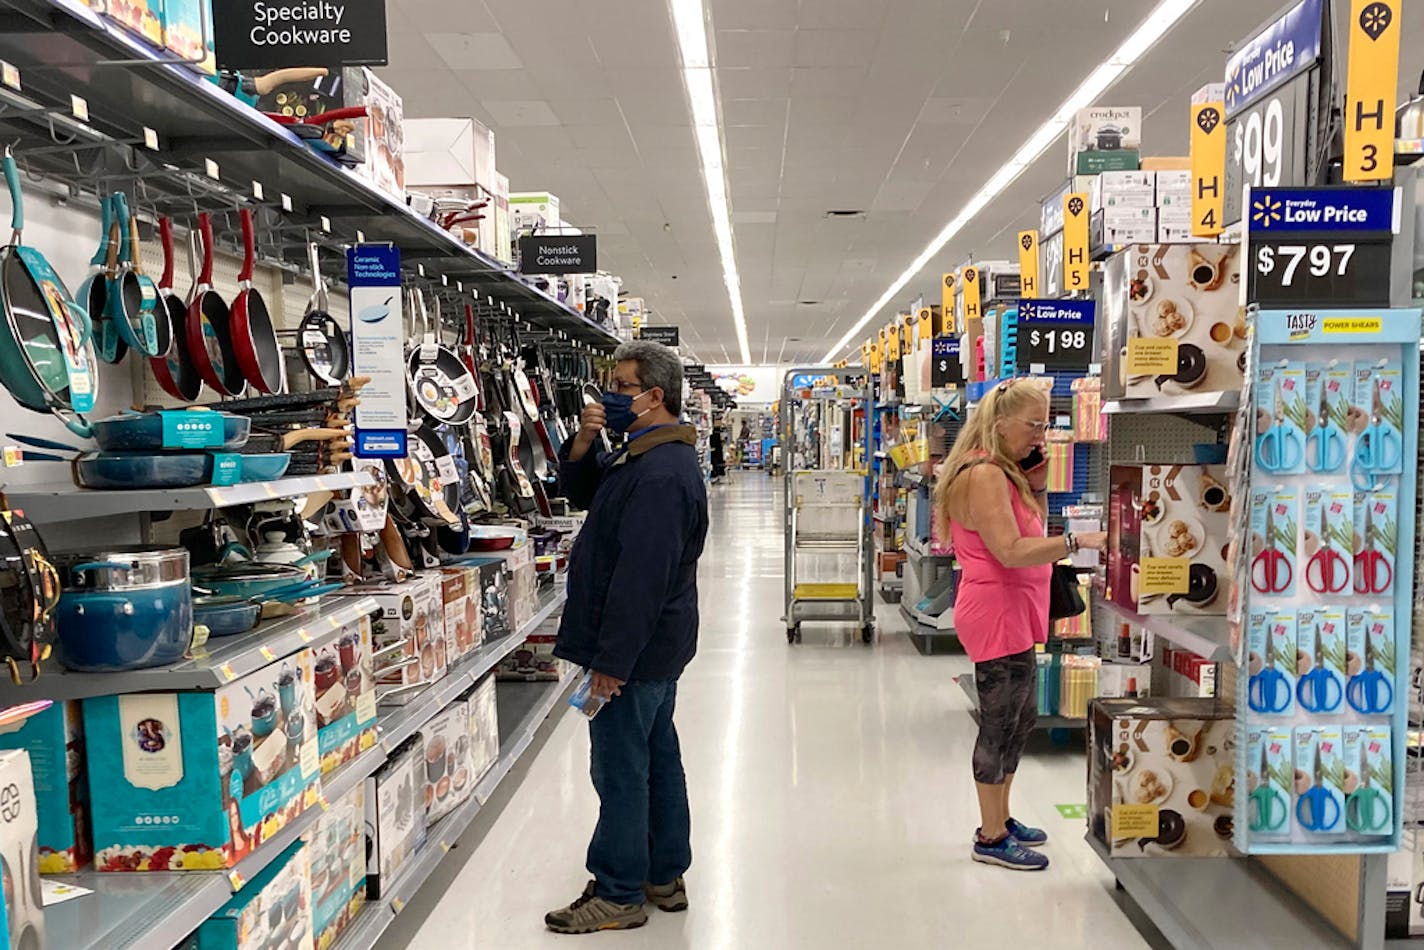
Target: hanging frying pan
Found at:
x=323, y=344
x=254, y=338
x=156, y=328
x=208, y=327
x=429, y=486
x=111, y=343
x=93, y=292
x=131, y=303
x=443, y=385
x=175, y=372
x=46, y=360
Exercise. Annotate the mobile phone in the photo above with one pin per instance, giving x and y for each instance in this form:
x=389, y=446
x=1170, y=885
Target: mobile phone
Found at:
x=1032, y=460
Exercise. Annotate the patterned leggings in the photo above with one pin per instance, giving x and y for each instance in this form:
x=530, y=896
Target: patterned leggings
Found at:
x=1008, y=711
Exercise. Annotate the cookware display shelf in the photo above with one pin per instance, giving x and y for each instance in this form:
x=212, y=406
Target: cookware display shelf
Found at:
x=1207, y=637
x=1183, y=405
x=80, y=504
x=160, y=909
x=62, y=49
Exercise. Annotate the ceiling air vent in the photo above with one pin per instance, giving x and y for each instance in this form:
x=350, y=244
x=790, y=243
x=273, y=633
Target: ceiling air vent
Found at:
x=845, y=214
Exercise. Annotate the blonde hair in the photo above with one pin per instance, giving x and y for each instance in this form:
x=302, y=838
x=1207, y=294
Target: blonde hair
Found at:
x=980, y=438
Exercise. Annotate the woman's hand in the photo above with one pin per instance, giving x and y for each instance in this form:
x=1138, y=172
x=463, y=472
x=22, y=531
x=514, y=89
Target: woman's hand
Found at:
x=1092, y=540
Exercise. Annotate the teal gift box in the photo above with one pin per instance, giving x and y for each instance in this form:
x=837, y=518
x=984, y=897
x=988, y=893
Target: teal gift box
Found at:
x=345, y=691
x=337, y=849
x=54, y=739
x=274, y=909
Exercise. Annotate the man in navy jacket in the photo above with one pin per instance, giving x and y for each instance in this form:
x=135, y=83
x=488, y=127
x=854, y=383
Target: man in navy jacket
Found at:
x=631, y=620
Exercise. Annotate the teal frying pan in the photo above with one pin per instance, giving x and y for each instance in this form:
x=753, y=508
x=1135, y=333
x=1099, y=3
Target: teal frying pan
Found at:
x=46, y=356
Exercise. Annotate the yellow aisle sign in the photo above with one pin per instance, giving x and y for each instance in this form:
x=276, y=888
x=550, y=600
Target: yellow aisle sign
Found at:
x=1028, y=263
x=946, y=303
x=1075, y=241
x=874, y=357
x=969, y=277
x=1369, y=89
x=907, y=333
x=1208, y=168
x=892, y=343
x=865, y=355
x=926, y=323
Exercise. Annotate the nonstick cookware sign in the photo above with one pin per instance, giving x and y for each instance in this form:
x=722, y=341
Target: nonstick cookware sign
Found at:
x=273, y=34
x=378, y=349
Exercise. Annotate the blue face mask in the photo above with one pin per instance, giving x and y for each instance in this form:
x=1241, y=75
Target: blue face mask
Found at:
x=618, y=411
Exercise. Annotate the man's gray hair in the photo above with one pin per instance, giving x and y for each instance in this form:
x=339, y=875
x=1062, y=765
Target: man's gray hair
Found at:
x=657, y=366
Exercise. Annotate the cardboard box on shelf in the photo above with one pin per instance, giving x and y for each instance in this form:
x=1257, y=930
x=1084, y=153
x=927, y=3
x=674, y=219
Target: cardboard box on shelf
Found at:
x=272, y=910
x=460, y=592
x=442, y=153
x=384, y=166
x=1175, y=182
x=412, y=615
x=54, y=740
x=533, y=662
x=183, y=32
x=503, y=248
x=19, y=829
x=345, y=683
x=1104, y=138
x=1124, y=680
x=523, y=583
x=1161, y=777
x=1175, y=231
x=532, y=211
x=448, y=779
x=1137, y=229
x=198, y=780
x=395, y=818
x=144, y=17
x=482, y=704
x=337, y=849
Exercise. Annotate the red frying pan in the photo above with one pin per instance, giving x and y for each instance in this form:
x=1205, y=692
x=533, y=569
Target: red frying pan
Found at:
x=174, y=372
x=209, y=331
x=254, y=338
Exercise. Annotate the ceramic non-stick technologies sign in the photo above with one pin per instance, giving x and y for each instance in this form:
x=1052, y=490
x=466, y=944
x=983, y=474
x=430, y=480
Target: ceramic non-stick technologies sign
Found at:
x=274, y=34
x=378, y=349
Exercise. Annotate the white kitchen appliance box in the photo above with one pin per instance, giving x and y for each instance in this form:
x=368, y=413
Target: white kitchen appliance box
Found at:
x=407, y=634
x=460, y=594
x=442, y=153
x=54, y=740
x=395, y=816
x=23, y=917
x=1162, y=777
x=1104, y=139
x=273, y=911
x=523, y=577
x=345, y=693
x=483, y=708
x=337, y=846
x=198, y=780
x=448, y=778
x=533, y=211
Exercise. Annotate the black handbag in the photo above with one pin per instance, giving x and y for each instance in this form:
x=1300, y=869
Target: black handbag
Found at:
x=1065, y=598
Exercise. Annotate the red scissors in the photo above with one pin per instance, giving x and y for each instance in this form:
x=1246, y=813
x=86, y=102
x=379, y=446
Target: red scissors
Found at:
x=1327, y=572
x=1373, y=574
x=1271, y=571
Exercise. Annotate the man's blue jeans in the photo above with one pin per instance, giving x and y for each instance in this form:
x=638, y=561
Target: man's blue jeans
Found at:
x=644, y=831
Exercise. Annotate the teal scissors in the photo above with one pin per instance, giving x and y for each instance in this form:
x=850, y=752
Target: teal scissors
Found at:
x=1279, y=448
x=1378, y=449
x=1367, y=809
x=1269, y=806
x=1326, y=442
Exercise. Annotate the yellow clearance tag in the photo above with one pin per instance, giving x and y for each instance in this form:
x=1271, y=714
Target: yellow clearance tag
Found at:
x=1134, y=821
x=1075, y=241
x=1164, y=575
x=1208, y=168
x=926, y=323
x=1370, y=83
x=946, y=304
x=1151, y=355
x=969, y=278
x=1028, y=263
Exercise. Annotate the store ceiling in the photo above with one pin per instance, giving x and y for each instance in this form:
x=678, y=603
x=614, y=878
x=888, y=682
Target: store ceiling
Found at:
x=900, y=109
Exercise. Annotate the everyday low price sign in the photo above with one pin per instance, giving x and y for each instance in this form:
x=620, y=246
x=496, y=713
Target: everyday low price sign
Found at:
x=276, y=34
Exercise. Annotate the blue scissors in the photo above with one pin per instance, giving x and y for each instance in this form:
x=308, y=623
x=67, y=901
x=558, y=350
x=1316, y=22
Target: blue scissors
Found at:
x=1378, y=449
x=1369, y=691
x=1269, y=806
x=1325, y=443
x=1269, y=691
x=1317, y=809
x=1279, y=448
x=1319, y=690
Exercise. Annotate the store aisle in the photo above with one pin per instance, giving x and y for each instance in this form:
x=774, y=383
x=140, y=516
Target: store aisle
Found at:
x=831, y=795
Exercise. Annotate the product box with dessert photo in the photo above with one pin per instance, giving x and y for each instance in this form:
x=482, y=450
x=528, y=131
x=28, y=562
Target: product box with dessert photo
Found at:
x=54, y=740
x=448, y=777
x=1168, y=538
x=273, y=911
x=23, y=911
x=1161, y=776
x=395, y=814
x=1174, y=321
x=198, y=780
x=337, y=845
x=407, y=635
x=345, y=693
x=460, y=593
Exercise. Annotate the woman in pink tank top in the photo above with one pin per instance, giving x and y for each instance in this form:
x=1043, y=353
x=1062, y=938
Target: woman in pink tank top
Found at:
x=991, y=490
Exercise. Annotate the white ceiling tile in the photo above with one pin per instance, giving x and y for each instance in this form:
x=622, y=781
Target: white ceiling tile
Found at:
x=602, y=136
x=754, y=48
x=841, y=14
x=753, y=83
x=421, y=15
x=954, y=110
x=753, y=14
x=498, y=83
x=475, y=50
x=536, y=138
x=839, y=82
x=650, y=138
x=587, y=111
x=758, y=111
x=509, y=113
x=834, y=48
x=650, y=47
x=740, y=218
x=769, y=137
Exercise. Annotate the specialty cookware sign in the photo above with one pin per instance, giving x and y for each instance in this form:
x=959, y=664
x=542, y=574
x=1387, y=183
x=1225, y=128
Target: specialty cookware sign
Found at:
x=378, y=349
x=275, y=34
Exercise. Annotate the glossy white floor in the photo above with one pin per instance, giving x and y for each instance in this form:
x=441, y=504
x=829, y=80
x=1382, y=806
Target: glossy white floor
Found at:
x=831, y=796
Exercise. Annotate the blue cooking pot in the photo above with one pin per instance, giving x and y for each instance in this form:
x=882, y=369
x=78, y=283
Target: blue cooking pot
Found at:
x=124, y=608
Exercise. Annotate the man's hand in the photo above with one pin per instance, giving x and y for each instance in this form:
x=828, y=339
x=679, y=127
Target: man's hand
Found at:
x=603, y=686
x=591, y=422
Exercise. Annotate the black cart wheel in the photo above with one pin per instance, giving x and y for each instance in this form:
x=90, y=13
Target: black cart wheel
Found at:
x=867, y=633
x=793, y=633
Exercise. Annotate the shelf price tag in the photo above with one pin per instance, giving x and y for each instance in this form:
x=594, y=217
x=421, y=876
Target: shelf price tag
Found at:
x=267, y=654
x=236, y=879
x=227, y=673
x=257, y=191
x=287, y=203
x=1371, y=78
x=210, y=168
x=79, y=108
x=150, y=139
x=326, y=224
x=305, y=635
x=10, y=75
x=13, y=456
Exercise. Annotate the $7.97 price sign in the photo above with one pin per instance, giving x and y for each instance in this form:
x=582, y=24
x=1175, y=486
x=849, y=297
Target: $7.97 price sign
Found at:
x=1320, y=273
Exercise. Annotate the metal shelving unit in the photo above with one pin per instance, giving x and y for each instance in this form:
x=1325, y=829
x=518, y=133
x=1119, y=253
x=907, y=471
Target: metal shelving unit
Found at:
x=966, y=683
x=1208, y=637
x=80, y=504
x=1190, y=404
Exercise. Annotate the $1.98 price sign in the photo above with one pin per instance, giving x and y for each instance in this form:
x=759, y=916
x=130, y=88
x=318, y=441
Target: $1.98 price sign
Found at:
x=1056, y=334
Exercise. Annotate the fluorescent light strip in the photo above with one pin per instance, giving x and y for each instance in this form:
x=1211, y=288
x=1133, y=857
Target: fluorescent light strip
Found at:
x=1158, y=23
x=690, y=23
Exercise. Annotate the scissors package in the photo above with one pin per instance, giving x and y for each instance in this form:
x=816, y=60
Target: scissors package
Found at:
x=1369, y=780
x=1161, y=776
x=1271, y=661
x=1328, y=393
x=1320, y=779
x=1329, y=540
x=1376, y=537
x=1378, y=418
x=1371, y=660
x=1320, y=660
x=1268, y=781
x=1275, y=516
x=1281, y=417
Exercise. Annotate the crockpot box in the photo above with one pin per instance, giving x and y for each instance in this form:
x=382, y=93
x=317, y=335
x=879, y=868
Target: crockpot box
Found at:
x=395, y=814
x=22, y=908
x=1161, y=776
x=54, y=740
x=198, y=780
x=273, y=911
x=337, y=847
x=1103, y=139
x=1169, y=521
x=410, y=623
x=345, y=693
x=482, y=704
x=448, y=778
x=460, y=593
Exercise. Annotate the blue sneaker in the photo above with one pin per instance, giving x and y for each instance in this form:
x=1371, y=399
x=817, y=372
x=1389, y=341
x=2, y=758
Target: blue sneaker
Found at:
x=1026, y=836
x=1009, y=854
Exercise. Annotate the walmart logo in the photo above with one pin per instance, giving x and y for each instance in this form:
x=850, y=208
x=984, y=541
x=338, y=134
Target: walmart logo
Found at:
x=1266, y=211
